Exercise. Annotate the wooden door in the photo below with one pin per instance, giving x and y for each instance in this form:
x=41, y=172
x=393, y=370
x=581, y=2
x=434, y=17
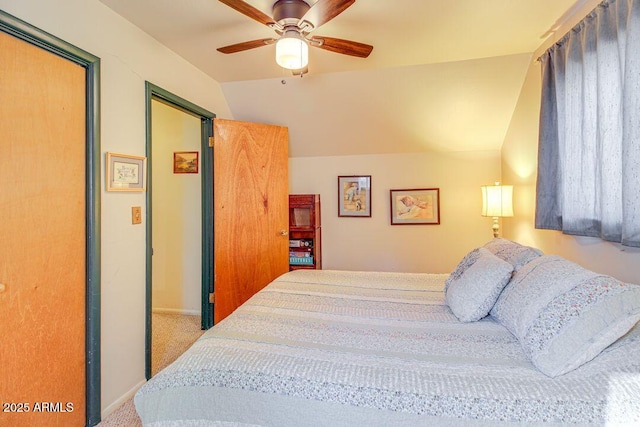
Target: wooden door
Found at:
x=42, y=237
x=250, y=210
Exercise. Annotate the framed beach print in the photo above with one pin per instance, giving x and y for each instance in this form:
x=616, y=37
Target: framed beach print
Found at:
x=185, y=162
x=415, y=206
x=125, y=172
x=354, y=195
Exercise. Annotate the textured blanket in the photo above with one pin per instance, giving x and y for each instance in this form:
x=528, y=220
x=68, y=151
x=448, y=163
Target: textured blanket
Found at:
x=338, y=348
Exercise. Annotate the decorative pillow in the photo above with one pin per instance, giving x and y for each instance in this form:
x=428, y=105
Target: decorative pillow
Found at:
x=514, y=253
x=466, y=262
x=564, y=315
x=471, y=292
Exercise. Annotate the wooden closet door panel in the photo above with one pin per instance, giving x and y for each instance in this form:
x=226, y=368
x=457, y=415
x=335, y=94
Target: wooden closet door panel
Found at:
x=42, y=236
x=251, y=205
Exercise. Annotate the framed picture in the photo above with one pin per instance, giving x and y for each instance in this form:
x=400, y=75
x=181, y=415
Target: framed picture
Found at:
x=354, y=195
x=125, y=172
x=185, y=162
x=415, y=206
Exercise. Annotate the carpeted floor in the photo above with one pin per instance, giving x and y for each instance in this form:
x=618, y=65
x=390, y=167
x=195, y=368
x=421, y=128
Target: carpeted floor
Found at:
x=173, y=334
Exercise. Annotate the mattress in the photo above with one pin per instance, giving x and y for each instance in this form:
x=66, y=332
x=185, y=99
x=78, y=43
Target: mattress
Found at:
x=340, y=348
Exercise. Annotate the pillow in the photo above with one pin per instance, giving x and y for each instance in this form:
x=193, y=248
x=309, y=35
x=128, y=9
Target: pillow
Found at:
x=466, y=262
x=472, y=291
x=564, y=315
x=514, y=253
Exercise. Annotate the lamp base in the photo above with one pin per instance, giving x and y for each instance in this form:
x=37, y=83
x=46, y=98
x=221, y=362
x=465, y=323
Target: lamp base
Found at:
x=496, y=227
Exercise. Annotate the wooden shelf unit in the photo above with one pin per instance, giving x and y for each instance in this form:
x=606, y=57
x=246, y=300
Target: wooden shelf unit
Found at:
x=305, y=232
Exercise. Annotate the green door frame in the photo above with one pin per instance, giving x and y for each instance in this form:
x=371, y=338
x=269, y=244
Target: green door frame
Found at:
x=206, y=119
x=30, y=34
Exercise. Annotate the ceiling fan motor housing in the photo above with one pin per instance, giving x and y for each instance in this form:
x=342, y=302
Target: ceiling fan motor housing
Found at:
x=293, y=21
x=289, y=12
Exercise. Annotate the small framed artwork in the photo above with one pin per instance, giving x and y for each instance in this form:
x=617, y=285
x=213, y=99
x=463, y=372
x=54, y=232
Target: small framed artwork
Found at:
x=185, y=162
x=354, y=195
x=415, y=206
x=125, y=172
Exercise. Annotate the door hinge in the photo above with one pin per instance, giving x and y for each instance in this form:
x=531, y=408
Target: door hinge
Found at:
x=212, y=298
x=210, y=141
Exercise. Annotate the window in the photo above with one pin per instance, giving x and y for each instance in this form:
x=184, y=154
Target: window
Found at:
x=589, y=150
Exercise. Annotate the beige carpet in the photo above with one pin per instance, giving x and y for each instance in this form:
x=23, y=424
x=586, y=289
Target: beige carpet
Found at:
x=173, y=334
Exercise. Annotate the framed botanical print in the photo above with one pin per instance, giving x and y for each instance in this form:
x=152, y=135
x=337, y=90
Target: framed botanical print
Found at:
x=126, y=172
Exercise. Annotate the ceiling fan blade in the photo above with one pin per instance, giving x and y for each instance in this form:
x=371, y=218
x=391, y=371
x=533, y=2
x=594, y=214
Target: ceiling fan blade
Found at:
x=239, y=47
x=324, y=11
x=345, y=47
x=250, y=11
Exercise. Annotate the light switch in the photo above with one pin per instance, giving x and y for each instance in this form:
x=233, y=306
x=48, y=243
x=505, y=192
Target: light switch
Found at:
x=136, y=215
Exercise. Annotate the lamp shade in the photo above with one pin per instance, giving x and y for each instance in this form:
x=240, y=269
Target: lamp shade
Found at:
x=292, y=52
x=497, y=200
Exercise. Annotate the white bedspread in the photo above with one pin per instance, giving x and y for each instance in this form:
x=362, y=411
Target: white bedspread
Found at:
x=330, y=348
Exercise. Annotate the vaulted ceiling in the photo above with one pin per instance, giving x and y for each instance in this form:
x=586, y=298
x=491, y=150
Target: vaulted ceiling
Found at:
x=444, y=75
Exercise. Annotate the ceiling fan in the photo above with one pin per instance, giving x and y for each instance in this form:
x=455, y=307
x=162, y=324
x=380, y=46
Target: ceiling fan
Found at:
x=293, y=21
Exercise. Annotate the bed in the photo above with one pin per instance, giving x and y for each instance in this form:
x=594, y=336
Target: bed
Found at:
x=344, y=348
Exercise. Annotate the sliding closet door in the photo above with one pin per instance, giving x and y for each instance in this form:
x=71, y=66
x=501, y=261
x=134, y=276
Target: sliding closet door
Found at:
x=42, y=237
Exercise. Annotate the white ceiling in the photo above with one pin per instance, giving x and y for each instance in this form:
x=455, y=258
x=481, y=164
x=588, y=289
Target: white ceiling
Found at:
x=443, y=75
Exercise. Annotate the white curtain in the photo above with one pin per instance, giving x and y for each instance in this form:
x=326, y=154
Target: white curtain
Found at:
x=589, y=149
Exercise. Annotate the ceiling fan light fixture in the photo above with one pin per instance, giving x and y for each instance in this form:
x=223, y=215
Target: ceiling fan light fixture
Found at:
x=292, y=51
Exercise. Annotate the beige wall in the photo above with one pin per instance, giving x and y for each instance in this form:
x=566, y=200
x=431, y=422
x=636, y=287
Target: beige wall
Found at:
x=519, y=167
x=372, y=243
x=129, y=57
x=177, y=214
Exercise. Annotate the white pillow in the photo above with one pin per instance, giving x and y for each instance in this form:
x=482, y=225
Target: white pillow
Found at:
x=564, y=315
x=475, y=285
x=514, y=253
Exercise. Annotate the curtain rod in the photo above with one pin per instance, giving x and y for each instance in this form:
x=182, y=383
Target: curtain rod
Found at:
x=578, y=27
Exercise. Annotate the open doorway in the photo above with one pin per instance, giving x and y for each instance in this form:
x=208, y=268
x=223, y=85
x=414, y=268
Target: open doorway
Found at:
x=176, y=285
x=179, y=275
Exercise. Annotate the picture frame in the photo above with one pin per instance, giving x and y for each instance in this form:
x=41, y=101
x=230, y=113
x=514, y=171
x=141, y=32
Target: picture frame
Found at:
x=354, y=196
x=185, y=162
x=126, y=172
x=415, y=206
